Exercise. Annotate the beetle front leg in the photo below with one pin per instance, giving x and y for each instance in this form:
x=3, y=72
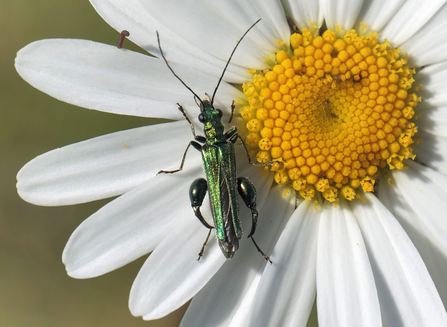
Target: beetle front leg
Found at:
x=232, y=136
x=193, y=130
x=247, y=191
x=196, y=145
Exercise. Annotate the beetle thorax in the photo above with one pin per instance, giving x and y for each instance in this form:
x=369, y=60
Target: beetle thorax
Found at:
x=212, y=125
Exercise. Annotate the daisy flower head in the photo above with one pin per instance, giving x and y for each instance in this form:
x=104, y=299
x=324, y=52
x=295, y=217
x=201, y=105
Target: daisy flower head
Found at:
x=346, y=96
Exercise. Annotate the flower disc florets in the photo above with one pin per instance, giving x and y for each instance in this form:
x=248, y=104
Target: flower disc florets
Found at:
x=334, y=111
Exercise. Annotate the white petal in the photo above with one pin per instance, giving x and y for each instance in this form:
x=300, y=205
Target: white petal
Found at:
x=274, y=22
x=346, y=289
x=102, y=77
x=241, y=318
x=341, y=12
x=375, y=14
x=104, y=166
x=228, y=294
x=438, y=179
x=433, y=121
x=172, y=275
x=434, y=81
x=129, y=226
x=220, y=25
x=305, y=13
x=287, y=289
x=406, y=291
x=429, y=44
x=409, y=19
x=434, y=256
x=424, y=192
x=132, y=16
x=432, y=151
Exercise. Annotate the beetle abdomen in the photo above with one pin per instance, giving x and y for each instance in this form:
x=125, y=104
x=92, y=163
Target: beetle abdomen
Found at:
x=230, y=243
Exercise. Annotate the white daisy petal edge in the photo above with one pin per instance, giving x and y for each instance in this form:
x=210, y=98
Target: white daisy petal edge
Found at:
x=347, y=294
x=419, y=208
x=406, y=291
x=129, y=226
x=434, y=81
x=409, y=19
x=434, y=256
x=433, y=121
x=102, y=77
x=287, y=289
x=422, y=189
x=435, y=155
x=247, y=264
x=274, y=22
x=375, y=14
x=240, y=318
x=305, y=12
x=130, y=15
x=225, y=24
x=242, y=314
x=104, y=166
x=171, y=275
x=341, y=12
x=429, y=44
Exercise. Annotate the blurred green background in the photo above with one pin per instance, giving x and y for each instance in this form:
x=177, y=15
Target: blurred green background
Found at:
x=34, y=287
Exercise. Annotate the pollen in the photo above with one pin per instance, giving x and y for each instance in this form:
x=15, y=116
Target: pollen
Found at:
x=334, y=110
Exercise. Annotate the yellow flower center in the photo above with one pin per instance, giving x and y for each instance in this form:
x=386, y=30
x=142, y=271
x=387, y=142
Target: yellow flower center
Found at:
x=334, y=111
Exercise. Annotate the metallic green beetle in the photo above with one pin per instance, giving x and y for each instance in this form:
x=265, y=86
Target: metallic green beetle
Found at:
x=219, y=163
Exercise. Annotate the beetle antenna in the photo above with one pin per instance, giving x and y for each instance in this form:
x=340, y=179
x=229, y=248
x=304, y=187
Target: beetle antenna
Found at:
x=229, y=59
x=167, y=64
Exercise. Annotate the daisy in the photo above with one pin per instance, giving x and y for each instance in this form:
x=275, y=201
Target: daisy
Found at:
x=354, y=217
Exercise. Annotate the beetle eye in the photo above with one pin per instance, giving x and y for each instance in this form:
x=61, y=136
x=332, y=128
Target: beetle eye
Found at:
x=201, y=119
x=220, y=113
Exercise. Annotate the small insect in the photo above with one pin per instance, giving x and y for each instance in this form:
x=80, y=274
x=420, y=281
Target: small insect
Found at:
x=219, y=163
x=123, y=35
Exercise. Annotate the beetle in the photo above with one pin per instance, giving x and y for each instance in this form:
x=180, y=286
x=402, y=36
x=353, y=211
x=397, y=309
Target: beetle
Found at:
x=219, y=164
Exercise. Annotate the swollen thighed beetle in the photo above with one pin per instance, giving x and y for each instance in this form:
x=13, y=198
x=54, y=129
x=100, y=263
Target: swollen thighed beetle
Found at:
x=219, y=163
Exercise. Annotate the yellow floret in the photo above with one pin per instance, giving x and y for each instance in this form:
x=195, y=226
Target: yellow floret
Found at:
x=330, y=194
x=308, y=192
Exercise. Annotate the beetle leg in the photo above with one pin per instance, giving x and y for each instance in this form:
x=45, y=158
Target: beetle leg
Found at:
x=196, y=145
x=247, y=191
x=202, y=250
x=232, y=112
x=233, y=138
x=199, y=138
x=266, y=257
x=230, y=134
x=197, y=193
